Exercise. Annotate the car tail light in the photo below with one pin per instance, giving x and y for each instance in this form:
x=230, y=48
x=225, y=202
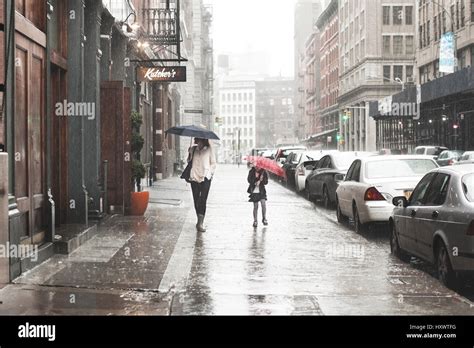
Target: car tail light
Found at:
x=470, y=229
x=372, y=194
x=301, y=171
x=450, y=162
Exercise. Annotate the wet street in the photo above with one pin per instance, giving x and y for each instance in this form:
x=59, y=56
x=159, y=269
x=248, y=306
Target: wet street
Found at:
x=303, y=263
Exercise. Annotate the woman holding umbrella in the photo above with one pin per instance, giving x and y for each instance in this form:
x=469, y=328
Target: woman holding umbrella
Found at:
x=203, y=168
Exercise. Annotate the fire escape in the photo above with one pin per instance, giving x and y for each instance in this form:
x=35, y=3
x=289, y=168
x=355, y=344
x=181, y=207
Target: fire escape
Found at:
x=161, y=31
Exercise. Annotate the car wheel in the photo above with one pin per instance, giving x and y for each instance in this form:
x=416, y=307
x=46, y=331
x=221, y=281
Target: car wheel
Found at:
x=340, y=216
x=446, y=275
x=326, y=199
x=395, y=245
x=358, y=226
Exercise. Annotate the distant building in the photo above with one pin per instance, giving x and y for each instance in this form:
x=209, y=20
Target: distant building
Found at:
x=306, y=14
x=237, y=130
x=275, y=112
x=328, y=25
x=312, y=81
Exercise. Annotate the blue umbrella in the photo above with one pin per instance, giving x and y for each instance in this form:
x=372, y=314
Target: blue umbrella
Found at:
x=193, y=132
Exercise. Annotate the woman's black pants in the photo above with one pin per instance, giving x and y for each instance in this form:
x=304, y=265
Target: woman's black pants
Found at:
x=200, y=194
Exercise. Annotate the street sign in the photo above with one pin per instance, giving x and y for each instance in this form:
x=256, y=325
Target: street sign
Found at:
x=162, y=74
x=447, y=58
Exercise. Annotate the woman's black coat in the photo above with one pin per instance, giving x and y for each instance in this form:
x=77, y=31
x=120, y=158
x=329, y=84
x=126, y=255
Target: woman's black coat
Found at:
x=252, y=181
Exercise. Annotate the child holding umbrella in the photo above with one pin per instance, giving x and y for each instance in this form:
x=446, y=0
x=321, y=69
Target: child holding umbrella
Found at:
x=258, y=179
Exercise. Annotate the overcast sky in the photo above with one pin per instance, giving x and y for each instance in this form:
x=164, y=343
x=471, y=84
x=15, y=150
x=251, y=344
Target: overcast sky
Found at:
x=242, y=25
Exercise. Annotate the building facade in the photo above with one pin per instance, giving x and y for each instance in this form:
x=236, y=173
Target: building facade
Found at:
x=328, y=25
x=306, y=14
x=439, y=112
x=312, y=83
x=377, y=59
x=275, y=112
x=70, y=87
x=237, y=110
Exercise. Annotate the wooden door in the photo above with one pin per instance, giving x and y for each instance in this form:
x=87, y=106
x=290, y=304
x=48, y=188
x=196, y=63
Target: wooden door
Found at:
x=116, y=133
x=30, y=138
x=59, y=141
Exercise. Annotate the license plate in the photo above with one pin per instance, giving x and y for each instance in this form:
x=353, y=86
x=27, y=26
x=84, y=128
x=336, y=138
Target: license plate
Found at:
x=408, y=194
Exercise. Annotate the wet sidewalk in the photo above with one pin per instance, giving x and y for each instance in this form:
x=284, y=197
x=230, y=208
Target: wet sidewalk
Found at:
x=117, y=272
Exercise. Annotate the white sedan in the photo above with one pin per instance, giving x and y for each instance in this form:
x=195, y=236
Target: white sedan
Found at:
x=371, y=183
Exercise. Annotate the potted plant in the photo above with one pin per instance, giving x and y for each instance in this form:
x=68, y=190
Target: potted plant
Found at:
x=139, y=200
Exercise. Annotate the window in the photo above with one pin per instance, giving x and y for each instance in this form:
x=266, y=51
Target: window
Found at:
x=418, y=196
x=438, y=191
x=472, y=10
x=410, y=45
x=397, y=15
x=398, y=72
x=355, y=175
x=387, y=73
x=409, y=15
x=409, y=72
x=386, y=15
x=223, y=97
x=386, y=45
x=398, y=45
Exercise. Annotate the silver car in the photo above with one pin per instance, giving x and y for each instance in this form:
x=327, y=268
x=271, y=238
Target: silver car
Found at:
x=437, y=222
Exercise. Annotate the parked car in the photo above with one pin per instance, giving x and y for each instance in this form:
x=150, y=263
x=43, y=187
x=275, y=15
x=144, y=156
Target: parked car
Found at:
x=307, y=163
x=467, y=157
x=289, y=167
x=331, y=169
x=384, y=152
x=283, y=152
x=449, y=157
x=434, y=151
x=371, y=183
x=437, y=222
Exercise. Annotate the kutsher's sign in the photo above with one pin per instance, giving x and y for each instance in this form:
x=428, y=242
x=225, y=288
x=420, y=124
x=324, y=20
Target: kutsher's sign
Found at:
x=162, y=74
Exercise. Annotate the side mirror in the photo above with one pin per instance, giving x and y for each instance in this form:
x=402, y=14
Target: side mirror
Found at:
x=339, y=177
x=311, y=168
x=401, y=202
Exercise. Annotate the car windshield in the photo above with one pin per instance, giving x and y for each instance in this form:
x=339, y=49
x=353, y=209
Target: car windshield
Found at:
x=468, y=187
x=398, y=168
x=433, y=151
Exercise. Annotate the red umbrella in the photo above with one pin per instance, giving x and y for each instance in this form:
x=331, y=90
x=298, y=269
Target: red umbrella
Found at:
x=267, y=164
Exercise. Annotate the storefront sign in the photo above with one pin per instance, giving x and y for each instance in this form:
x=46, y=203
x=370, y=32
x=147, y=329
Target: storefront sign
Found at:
x=447, y=59
x=162, y=74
